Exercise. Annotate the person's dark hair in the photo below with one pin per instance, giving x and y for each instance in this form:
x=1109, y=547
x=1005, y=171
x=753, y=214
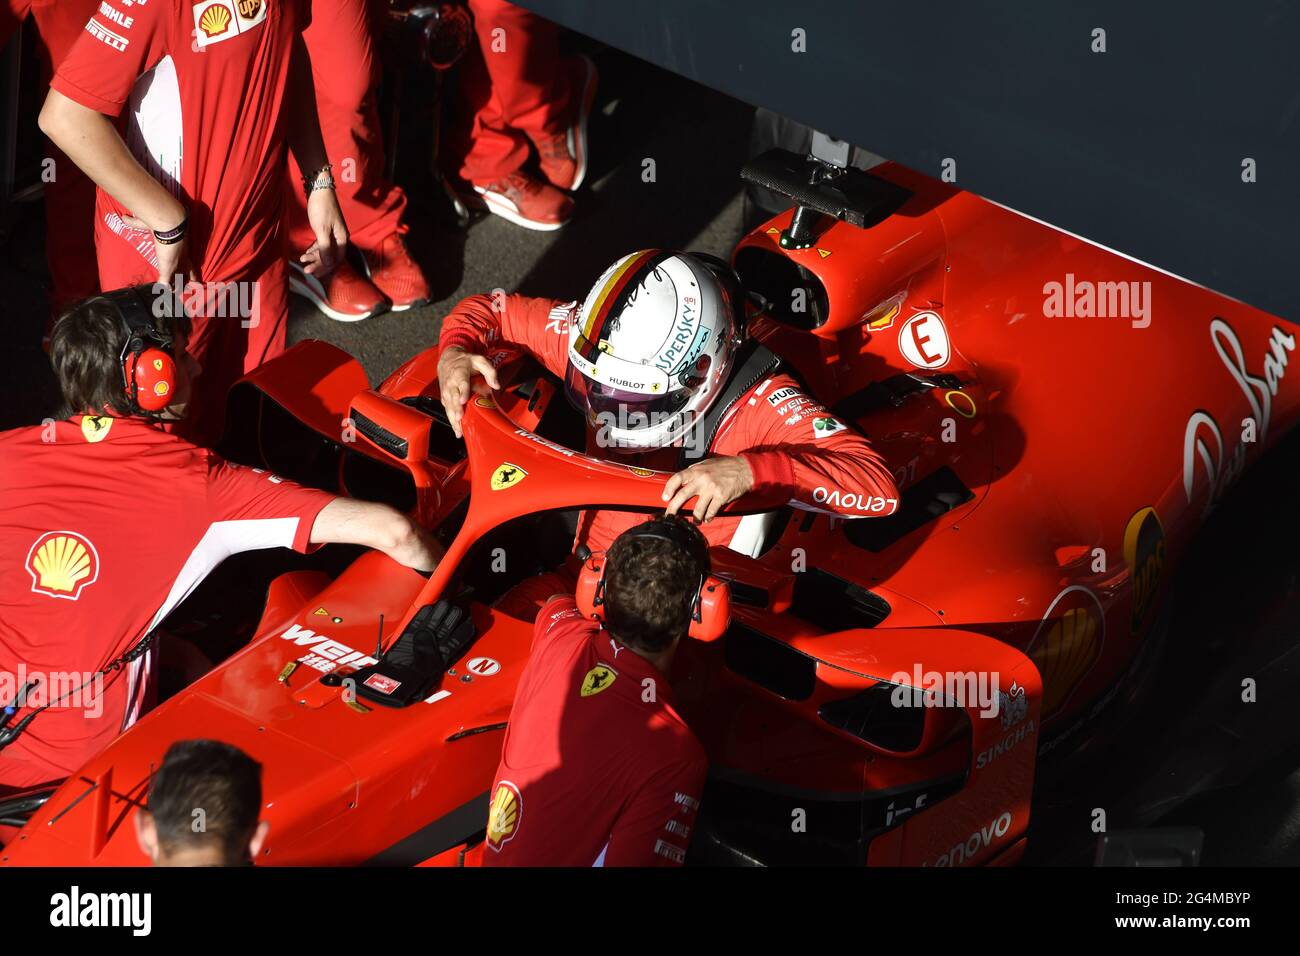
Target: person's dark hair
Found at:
x=85, y=349
x=651, y=581
x=220, y=780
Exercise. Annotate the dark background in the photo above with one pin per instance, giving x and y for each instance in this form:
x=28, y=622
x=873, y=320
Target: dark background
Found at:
x=1138, y=148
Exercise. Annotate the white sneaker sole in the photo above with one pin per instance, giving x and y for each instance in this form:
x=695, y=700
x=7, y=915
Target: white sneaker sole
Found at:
x=310, y=288
x=509, y=211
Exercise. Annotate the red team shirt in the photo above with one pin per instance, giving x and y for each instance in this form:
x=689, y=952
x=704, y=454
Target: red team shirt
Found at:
x=205, y=122
x=597, y=768
x=799, y=453
x=103, y=531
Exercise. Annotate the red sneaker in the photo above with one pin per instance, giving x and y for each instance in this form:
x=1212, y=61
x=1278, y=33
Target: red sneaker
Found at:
x=527, y=202
x=344, y=295
x=563, y=156
x=395, y=274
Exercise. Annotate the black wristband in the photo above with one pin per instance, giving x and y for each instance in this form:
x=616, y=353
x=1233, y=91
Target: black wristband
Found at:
x=174, y=235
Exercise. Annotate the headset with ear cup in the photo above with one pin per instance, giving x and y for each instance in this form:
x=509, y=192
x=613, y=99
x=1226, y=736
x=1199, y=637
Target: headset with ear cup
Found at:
x=710, y=607
x=148, y=355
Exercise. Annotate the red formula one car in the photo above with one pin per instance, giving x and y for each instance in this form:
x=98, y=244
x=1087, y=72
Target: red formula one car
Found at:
x=1061, y=421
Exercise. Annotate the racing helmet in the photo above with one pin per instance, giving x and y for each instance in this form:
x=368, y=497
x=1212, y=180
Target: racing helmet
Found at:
x=653, y=346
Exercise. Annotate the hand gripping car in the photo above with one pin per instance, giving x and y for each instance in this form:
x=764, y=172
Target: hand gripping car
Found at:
x=912, y=683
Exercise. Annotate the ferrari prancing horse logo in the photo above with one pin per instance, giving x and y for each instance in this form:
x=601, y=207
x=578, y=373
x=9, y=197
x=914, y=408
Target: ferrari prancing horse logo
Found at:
x=599, y=678
x=507, y=476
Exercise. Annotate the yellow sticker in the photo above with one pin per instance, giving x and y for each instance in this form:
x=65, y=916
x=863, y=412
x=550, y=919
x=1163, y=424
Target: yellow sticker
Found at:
x=321, y=612
x=483, y=401
x=598, y=679
x=507, y=476
x=823, y=252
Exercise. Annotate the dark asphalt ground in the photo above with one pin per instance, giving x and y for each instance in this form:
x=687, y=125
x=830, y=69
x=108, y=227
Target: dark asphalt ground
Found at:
x=698, y=140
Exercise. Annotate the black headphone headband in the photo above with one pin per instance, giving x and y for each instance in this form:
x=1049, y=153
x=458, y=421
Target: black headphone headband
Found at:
x=139, y=307
x=678, y=532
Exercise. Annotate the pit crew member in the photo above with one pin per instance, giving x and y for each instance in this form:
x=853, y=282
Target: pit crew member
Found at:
x=597, y=768
x=180, y=112
x=657, y=361
x=107, y=522
x=225, y=784
x=342, y=41
x=524, y=95
x=69, y=195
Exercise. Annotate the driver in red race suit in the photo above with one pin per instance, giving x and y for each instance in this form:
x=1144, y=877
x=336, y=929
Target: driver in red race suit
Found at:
x=657, y=361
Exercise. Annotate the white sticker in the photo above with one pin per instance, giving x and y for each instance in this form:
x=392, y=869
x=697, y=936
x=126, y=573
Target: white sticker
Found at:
x=483, y=666
x=923, y=340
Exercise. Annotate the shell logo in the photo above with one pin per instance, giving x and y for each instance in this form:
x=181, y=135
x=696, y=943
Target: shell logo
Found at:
x=484, y=402
x=161, y=388
x=1068, y=644
x=62, y=564
x=505, y=815
x=215, y=20
x=640, y=472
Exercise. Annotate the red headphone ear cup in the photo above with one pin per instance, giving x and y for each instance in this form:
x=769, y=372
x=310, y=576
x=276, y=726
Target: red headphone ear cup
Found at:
x=590, y=592
x=154, y=378
x=714, y=610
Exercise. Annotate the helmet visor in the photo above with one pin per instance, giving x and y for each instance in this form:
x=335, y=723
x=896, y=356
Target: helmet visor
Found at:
x=621, y=408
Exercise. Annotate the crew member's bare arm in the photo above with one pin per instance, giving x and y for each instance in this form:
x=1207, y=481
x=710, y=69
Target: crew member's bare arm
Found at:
x=348, y=521
x=303, y=132
x=91, y=141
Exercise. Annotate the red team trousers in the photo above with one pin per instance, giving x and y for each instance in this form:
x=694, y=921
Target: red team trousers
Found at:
x=516, y=87
x=70, y=195
x=345, y=67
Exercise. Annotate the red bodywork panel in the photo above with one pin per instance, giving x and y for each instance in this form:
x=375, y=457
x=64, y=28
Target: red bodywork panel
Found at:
x=1091, y=449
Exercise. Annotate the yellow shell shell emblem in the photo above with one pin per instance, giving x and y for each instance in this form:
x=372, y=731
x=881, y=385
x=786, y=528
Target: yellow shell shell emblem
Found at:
x=1068, y=644
x=215, y=20
x=507, y=476
x=62, y=564
x=640, y=472
x=94, y=428
x=598, y=679
x=505, y=815
x=483, y=401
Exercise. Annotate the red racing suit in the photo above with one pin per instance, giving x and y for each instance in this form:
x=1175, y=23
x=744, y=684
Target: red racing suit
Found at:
x=830, y=469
